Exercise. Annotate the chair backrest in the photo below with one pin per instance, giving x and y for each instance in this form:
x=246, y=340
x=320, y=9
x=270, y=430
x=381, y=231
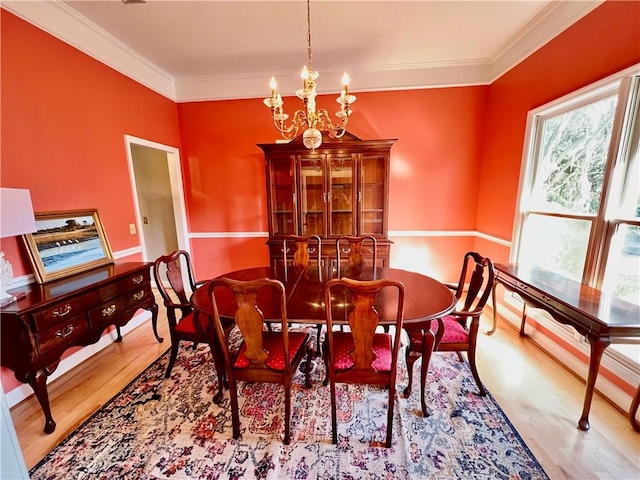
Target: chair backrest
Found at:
x=475, y=284
x=171, y=269
x=364, y=300
x=353, y=249
x=307, y=248
x=251, y=298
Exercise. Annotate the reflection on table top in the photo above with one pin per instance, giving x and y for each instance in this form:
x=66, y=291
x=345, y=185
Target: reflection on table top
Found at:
x=425, y=297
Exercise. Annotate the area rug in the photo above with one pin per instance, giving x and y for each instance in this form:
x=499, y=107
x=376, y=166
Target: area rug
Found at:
x=159, y=428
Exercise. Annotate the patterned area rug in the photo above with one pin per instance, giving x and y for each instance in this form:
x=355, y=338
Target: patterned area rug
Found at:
x=159, y=428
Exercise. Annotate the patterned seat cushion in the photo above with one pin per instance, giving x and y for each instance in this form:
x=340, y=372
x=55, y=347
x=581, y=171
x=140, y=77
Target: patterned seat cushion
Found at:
x=343, y=345
x=453, y=332
x=272, y=344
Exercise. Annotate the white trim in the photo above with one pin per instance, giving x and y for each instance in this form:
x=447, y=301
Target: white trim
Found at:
x=448, y=233
x=229, y=235
x=562, y=356
x=21, y=281
x=177, y=190
x=127, y=253
x=60, y=20
x=23, y=391
x=553, y=20
x=393, y=233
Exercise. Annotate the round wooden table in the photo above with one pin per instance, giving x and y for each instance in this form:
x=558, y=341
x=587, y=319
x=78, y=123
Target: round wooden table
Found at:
x=425, y=299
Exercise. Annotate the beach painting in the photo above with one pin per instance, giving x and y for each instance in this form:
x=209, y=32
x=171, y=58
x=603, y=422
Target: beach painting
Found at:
x=66, y=243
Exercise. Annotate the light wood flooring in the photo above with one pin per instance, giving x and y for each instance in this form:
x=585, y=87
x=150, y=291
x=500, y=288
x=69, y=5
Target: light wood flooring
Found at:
x=542, y=399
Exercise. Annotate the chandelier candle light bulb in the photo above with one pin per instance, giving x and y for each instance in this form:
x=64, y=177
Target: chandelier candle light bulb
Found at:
x=310, y=121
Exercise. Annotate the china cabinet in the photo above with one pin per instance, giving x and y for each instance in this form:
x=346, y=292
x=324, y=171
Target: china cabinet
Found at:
x=341, y=188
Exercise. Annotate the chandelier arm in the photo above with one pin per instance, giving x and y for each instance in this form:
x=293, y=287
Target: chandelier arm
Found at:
x=325, y=123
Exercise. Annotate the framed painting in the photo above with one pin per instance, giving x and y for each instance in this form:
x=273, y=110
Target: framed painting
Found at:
x=67, y=243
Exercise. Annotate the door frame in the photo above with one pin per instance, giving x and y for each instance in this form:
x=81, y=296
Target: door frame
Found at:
x=177, y=191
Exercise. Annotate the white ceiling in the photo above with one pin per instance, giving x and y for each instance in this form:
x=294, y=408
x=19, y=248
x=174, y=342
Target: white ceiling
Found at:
x=203, y=50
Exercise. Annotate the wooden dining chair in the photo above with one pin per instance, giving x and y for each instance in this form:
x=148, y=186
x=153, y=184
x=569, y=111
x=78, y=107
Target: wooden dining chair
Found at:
x=351, y=250
x=458, y=331
x=170, y=272
x=262, y=356
x=308, y=248
x=362, y=356
x=301, y=251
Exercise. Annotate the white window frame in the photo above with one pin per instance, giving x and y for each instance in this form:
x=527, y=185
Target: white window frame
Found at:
x=625, y=83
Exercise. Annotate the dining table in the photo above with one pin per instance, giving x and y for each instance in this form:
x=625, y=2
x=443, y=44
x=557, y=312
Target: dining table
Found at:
x=425, y=299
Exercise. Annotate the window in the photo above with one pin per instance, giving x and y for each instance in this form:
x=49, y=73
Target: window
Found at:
x=579, y=205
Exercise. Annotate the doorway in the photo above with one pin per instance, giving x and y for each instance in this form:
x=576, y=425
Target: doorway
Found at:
x=156, y=182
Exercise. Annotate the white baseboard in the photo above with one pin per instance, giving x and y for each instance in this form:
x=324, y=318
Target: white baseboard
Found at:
x=24, y=391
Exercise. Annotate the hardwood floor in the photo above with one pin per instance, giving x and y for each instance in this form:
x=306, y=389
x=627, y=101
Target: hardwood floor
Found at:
x=542, y=399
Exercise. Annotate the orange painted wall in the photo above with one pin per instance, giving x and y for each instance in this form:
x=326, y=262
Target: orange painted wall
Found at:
x=434, y=164
x=64, y=117
x=605, y=41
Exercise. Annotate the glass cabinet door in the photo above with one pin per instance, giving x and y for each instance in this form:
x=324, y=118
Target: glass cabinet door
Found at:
x=342, y=195
x=312, y=195
x=373, y=188
x=282, y=199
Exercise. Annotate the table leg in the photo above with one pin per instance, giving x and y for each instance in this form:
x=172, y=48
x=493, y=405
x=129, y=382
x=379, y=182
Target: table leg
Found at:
x=598, y=346
x=495, y=307
x=523, y=320
x=428, y=341
x=39, y=385
x=633, y=410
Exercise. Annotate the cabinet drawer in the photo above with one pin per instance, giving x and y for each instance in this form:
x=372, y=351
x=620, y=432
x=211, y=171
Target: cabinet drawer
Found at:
x=105, y=313
x=138, y=297
x=64, y=334
x=136, y=281
x=59, y=313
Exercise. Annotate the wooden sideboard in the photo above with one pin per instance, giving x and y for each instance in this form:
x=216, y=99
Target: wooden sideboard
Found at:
x=600, y=318
x=52, y=317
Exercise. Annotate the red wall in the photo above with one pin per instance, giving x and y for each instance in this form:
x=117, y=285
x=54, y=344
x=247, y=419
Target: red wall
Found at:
x=434, y=164
x=64, y=116
x=605, y=41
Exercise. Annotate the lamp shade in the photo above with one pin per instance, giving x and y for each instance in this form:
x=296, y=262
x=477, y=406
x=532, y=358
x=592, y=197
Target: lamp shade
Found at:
x=16, y=212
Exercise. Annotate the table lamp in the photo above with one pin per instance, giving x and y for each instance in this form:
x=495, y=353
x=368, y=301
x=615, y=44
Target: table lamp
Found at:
x=16, y=218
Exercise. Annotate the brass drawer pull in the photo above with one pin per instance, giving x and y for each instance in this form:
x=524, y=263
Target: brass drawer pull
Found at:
x=110, y=310
x=61, y=312
x=138, y=279
x=65, y=332
x=138, y=295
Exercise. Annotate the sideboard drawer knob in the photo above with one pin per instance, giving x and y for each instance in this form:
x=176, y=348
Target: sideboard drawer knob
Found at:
x=65, y=332
x=61, y=312
x=110, y=310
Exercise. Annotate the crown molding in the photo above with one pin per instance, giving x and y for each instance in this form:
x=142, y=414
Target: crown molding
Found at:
x=552, y=21
x=66, y=24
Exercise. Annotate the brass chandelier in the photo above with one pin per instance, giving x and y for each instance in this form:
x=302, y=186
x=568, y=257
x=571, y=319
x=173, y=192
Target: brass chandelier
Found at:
x=312, y=121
